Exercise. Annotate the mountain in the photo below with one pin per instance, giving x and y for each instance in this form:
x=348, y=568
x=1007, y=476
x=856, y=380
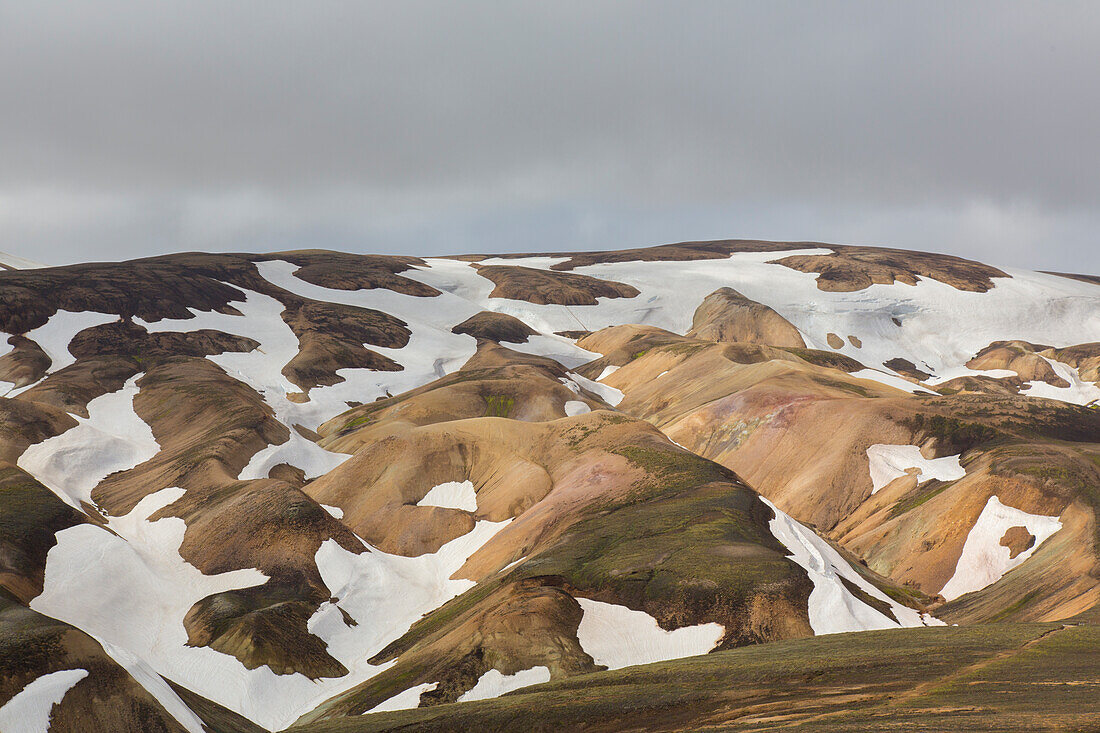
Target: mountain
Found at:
x=247, y=492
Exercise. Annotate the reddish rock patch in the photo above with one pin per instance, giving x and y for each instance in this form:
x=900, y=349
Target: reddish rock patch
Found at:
x=1017, y=540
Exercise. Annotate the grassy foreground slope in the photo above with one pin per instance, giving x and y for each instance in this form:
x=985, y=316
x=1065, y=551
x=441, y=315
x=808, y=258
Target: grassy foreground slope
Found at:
x=1003, y=677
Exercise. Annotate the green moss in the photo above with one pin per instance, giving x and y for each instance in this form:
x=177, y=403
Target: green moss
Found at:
x=498, y=405
x=356, y=423
x=959, y=435
x=919, y=496
x=686, y=348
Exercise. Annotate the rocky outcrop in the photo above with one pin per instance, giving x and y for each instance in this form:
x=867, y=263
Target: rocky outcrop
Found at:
x=726, y=315
x=855, y=268
x=544, y=287
x=495, y=327
x=1020, y=357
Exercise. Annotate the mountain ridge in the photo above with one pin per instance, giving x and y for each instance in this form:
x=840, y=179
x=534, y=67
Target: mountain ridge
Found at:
x=320, y=482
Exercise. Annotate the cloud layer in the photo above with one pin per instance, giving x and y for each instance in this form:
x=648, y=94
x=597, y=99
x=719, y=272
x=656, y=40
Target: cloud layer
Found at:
x=437, y=127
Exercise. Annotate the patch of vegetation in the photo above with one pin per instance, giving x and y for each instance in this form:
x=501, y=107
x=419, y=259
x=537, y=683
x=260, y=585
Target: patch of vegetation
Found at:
x=671, y=471
x=1008, y=611
x=578, y=434
x=919, y=496
x=881, y=606
x=826, y=359
x=958, y=436
x=1024, y=668
x=843, y=386
x=685, y=348
x=498, y=405
x=356, y=422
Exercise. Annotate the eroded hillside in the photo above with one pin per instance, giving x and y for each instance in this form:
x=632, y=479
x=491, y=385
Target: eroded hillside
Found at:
x=245, y=491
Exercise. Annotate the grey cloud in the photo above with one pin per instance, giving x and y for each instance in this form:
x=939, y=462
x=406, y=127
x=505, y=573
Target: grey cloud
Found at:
x=436, y=126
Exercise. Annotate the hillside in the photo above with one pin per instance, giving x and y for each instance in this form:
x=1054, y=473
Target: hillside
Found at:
x=246, y=492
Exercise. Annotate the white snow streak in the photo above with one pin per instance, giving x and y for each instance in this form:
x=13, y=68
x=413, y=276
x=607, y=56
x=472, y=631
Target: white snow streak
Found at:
x=607, y=372
x=404, y=700
x=832, y=607
x=29, y=710
x=155, y=685
x=607, y=393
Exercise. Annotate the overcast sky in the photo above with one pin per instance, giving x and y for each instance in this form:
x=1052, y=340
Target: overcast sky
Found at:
x=129, y=129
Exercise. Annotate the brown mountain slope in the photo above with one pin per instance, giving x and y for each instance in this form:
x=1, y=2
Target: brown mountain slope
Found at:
x=801, y=434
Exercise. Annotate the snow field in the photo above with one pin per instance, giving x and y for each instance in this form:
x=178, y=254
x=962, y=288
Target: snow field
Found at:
x=833, y=608
x=112, y=438
x=617, y=636
x=452, y=495
x=261, y=369
x=888, y=462
x=576, y=407
x=495, y=684
x=54, y=337
x=94, y=578
x=984, y=559
x=404, y=700
x=1078, y=392
x=941, y=327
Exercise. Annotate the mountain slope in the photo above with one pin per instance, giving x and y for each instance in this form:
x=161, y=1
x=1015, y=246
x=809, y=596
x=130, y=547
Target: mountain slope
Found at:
x=303, y=485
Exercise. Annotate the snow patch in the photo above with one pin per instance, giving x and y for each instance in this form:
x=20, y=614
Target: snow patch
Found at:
x=495, y=684
x=607, y=393
x=617, y=636
x=576, y=407
x=112, y=438
x=155, y=685
x=558, y=348
x=29, y=710
x=984, y=559
x=15, y=262
x=832, y=607
x=891, y=380
x=888, y=462
x=56, y=333
x=404, y=700
x=333, y=510
x=607, y=372
x=261, y=369
x=385, y=594
x=1079, y=392
x=452, y=495
x=94, y=578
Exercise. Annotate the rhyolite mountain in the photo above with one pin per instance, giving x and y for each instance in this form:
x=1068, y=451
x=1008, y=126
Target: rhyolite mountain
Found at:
x=247, y=492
